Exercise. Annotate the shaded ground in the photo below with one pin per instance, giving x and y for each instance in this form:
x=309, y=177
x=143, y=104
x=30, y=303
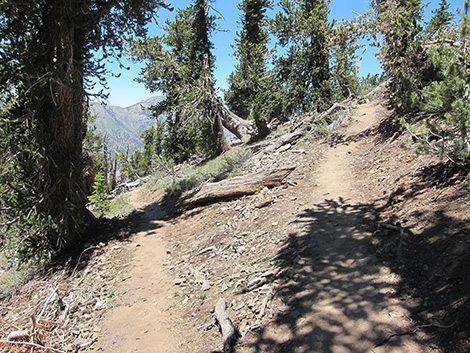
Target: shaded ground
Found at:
x=363, y=248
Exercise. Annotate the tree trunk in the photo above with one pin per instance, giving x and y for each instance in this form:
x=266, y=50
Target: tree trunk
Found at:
x=261, y=124
x=60, y=126
x=228, y=330
x=237, y=186
x=241, y=128
x=465, y=139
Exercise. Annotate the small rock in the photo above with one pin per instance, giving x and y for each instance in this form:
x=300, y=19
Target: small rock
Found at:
x=223, y=287
x=237, y=305
x=101, y=304
x=284, y=148
x=205, y=285
x=179, y=281
x=369, y=260
x=18, y=336
x=81, y=342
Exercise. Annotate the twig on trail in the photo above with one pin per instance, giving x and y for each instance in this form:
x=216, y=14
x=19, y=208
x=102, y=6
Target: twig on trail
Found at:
x=29, y=344
x=403, y=333
x=392, y=227
x=393, y=138
x=54, y=291
x=252, y=285
x=229, y=332
x=89, y=343
x=402, y=233
x=210, y=248
x=253, y=327
x=208, y=326
x=411, y=331
x=80, y=257
x=267, y=298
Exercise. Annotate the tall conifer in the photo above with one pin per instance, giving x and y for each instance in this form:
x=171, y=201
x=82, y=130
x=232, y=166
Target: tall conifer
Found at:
x=180, y=65
x=47, y=61
x=303, y=29
x=247, y=95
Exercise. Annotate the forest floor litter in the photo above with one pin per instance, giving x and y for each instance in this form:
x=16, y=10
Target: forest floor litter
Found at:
x=362, y=247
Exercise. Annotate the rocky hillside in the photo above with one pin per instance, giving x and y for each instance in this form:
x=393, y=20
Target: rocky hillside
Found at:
x=124, y=125
x=363, y=247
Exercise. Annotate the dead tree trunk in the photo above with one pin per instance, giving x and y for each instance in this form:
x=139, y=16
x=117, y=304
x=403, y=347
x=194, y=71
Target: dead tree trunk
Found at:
x=242, y=129
x=237, y=186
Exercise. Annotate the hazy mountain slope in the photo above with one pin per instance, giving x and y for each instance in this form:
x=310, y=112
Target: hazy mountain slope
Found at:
x=124, y=125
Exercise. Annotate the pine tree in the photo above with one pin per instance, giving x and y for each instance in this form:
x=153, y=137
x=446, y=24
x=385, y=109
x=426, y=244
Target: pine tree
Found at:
x=47, y=62
x=247, y=94
x=403, y=57
x=303, y=71
x=180, y=65
x=98, y=198
x=446, y=131
x=440, y=24
x=343, y=55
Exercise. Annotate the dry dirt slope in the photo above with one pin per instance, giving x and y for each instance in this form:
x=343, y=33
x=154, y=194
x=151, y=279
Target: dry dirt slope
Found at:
x=323, y=268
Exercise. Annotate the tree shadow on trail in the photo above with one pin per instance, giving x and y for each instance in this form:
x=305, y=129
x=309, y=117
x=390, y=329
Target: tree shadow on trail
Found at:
x=104, y=231
x=338, y=299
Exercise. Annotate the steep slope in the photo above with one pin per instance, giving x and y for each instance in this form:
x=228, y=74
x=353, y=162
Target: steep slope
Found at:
x=300, y=273
x=124, y=125
x=363, y=248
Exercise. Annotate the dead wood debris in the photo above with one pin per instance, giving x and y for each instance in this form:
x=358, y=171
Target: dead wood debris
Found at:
x=56, y=313
x=235, y=257
x=229, y=332
x=237, y=186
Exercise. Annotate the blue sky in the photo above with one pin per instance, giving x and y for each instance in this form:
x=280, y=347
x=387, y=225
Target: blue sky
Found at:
x=124, y=91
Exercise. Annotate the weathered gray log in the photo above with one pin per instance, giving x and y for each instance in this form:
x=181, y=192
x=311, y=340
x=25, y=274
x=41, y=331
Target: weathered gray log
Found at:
x=237, y=186
x=229, y=332
x=299, y=129
x=311, y=119
x=285, y=139
x=378, y=88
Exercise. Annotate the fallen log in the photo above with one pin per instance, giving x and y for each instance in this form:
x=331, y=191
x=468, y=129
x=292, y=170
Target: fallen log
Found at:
x=311, y=119
x=378, y=88
x=237, y=186
x=285, y=139
x=298, y=130
x=229, y=332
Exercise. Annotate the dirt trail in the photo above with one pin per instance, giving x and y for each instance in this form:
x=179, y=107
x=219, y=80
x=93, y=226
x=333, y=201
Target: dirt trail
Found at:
x=142, y=321
x=346, y=302
x=340, y=300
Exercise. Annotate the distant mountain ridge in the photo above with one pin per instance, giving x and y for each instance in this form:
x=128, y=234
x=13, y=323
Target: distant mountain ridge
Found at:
x=124, y=125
